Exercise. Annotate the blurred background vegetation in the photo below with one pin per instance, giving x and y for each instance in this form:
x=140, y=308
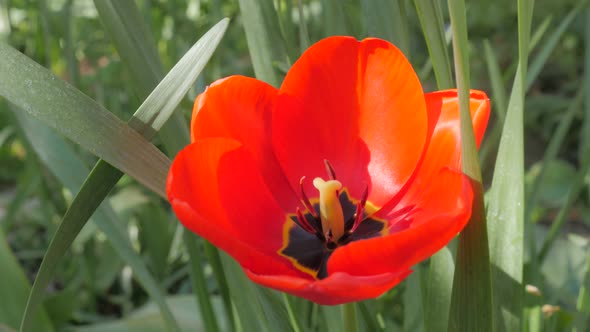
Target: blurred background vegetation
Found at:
x=94, y=285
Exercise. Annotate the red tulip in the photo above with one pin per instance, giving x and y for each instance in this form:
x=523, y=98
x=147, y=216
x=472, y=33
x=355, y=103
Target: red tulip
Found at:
x=333, y=186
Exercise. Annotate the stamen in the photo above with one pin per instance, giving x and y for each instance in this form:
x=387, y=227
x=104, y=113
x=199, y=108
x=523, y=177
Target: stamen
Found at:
x=358, y=215
x=331, y=213
x=330, y=170
x=305, y=199
x=302, y=222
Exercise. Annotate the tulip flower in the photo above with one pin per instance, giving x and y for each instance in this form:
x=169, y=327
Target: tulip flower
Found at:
x=334, y=185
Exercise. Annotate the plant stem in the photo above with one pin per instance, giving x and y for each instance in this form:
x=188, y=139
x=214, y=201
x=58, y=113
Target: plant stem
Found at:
x=349, y=317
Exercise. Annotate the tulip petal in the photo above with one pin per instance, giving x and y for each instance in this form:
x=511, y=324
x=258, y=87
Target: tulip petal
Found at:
x=444, y=149
x=229, y=206
x=338, y=288
x=342, y=99
x=240, y=108
x=442, y=211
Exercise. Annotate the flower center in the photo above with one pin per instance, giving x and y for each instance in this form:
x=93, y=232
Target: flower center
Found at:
x=331, y=219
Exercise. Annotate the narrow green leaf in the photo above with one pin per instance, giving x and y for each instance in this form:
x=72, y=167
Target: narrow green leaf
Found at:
x=41, y=94
x=575, y=190
x=549, y=45
x=349, y=317
x=199, y=283
x=438, y=287
x=499, y=98
x=471, y=302
x=582, y=321
x=137, y=49
x=387, y=19
x=334, y=18
x=265, y=43
x=304, y=42
x=585, y=131
x=506, y=197
x=14, y=289
x=218, y=272
x=431, y=19
x=147, y=318
x=103, y=177
x=438, y=291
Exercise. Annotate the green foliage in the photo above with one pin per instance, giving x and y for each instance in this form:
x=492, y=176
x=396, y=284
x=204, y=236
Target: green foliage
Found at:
x=82, y=67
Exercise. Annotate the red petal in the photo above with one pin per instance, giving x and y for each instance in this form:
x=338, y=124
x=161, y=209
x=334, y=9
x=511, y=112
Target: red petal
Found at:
x=444, y=149
x=338, y=288
x=442, y=211
x=358, y=105
x=229, y=206
x=240, y=108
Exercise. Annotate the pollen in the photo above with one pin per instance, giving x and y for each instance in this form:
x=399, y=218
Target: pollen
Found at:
x=331, y=213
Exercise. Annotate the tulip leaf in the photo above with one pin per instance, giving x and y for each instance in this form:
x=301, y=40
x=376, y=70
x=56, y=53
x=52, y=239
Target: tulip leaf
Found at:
x=438, y=287
x=132, y=39
x=71, y=171
x=334, y=18
x=147, y=318
x=14, y=289
x=104, y=176
x=431, y=19
x=582, y=322
x=36, y=91
x=387, y=19
x=265, y=43
x=499, y=99
x=549, y=45
x=258, y=308
x=471, y=300
x=506, y=197
x=585, y=131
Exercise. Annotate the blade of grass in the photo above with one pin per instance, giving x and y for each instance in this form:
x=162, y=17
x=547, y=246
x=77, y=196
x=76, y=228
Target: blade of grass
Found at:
x=438, y=287
x=549, y=45
x=498, y=88
x=582, y=321
x=103, y=177
x=387, y=19
x=585, y=132
x=471, y=300
x=506, y=197
x=431, y=20
x=575, y=190
x=14, y=289
x=133, y=41
x=199, y=283
x=265, y=43
x=38, y=92
x=334, y=18
x=137, y=49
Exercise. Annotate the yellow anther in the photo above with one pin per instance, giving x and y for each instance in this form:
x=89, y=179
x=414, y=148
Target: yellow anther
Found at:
x=330, y=208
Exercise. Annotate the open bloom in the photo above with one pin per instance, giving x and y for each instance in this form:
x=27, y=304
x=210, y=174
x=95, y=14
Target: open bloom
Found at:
x=333, y=186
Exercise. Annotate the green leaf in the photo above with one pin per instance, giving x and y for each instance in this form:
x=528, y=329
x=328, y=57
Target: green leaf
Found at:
x=14, y=289
x=506, y=196
x=498, y=88
x=137, y=49
x=387, y=19
x=334, y=18
x=549, y=45
x=471, y=302
x=265, y=43
x=438, y=291
x=103, y=177
x=148, y=319
x=585, y=131
x=199, y=282
x=431, y=19
x=41, y=94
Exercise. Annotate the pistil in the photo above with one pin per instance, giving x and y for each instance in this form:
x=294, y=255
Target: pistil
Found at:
x=331, y=213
